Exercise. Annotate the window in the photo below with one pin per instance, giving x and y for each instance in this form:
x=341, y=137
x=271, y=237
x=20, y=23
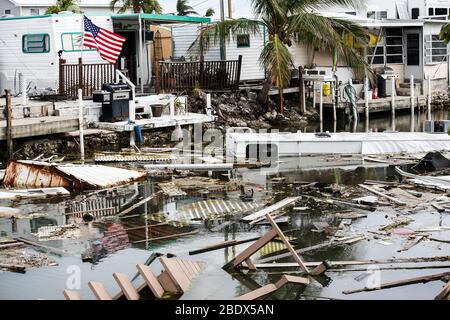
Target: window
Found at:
x=431, y=11
x=415, y=12
x=7, y=11
x=440, y=11
x=435, y=49
x=378, y=58
x=379, y=15
x=243, y=40
x=71, y=41
x=35, y=43
x=394, y=45
x=34, y=12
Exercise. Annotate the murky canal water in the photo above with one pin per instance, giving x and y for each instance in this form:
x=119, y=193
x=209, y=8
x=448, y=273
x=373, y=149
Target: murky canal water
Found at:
x=216, y=283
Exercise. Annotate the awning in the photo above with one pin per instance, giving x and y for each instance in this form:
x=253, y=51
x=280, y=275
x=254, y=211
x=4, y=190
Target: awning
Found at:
x=161, y=18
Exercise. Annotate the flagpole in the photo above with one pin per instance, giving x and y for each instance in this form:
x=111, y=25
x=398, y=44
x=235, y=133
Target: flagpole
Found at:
x=80, y=96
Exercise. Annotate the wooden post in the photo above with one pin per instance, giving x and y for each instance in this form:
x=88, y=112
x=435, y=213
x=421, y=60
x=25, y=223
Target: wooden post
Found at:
x=366, y=101
x=301, y=90
x=334, y=100
x=412, y=102
x=9, y=135
x=430, y=98
x=62, y=77
x=321, y=105
x=80, y=74
x=393, y=91
x=158, y=77
x=238, y=72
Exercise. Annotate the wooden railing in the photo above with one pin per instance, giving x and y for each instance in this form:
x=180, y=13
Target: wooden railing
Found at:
x=177, y=77
x=88, y=77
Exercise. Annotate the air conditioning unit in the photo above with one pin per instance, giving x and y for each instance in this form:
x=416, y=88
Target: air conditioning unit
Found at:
x=439, y=126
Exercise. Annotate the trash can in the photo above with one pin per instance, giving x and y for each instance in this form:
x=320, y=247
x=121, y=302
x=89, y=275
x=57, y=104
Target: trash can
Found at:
x=381, y=84
x=326, y=89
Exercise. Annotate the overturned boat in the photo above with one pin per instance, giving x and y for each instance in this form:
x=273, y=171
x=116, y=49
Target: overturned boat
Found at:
x=245, y=143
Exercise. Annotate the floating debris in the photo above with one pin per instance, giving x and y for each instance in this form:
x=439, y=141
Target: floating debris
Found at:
x=69, y=231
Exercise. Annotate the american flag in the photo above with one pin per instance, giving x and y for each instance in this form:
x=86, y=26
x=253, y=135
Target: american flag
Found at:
x=107, y=43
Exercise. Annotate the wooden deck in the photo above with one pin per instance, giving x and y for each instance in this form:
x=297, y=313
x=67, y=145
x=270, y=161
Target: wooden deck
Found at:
x=31, y=127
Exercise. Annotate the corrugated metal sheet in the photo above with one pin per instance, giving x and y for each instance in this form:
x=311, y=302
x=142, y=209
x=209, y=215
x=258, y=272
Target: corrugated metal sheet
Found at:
x=32, y=174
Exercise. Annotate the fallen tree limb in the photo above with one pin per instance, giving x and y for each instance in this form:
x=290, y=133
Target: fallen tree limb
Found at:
x=13, y=268
x=398, y=283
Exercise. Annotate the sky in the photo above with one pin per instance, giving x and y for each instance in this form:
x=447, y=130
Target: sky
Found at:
x=241, y=8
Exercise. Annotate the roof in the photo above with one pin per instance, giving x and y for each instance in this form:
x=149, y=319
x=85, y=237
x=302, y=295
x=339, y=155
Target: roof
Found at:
x=163, y=18
x=47, y=3
x=374, y=23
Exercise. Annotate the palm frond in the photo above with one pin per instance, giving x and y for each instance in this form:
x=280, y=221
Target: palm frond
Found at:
x=277, y=59
x=211, y=34
x=326, y=34
x=317, y=5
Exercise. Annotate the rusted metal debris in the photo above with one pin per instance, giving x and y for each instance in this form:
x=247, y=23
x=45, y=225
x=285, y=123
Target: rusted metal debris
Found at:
x=34, y=174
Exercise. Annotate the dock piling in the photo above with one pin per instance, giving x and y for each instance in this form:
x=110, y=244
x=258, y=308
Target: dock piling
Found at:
x=321, y=105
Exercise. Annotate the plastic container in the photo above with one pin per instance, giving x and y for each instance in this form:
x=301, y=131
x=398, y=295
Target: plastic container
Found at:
x=326, y=89
x=157, y=110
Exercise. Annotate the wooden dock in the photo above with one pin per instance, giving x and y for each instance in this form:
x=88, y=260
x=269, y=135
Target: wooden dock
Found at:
x=41, y=126
x=379, y=105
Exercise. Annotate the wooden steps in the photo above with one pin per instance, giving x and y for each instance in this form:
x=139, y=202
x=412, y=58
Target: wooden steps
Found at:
x=174, y=279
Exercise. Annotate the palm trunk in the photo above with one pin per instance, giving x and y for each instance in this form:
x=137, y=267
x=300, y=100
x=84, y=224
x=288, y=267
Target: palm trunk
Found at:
x=281, y=98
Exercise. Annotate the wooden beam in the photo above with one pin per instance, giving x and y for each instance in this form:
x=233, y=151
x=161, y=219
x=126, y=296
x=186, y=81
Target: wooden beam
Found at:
x=287, y=244
x=9, y=127
x=99, y=290
x=126, y=286
x=381, y=194
x=254, y=218
x=398, y=283
x=445, y=292
x=151, y=280
x=221, y=245
x=138, y=204
x=260, y=293
x=71, y=295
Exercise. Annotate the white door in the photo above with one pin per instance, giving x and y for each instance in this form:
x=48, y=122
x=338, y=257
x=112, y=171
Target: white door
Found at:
x=413, y=54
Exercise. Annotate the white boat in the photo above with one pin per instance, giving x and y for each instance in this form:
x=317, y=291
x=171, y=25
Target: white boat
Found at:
x=245, y=143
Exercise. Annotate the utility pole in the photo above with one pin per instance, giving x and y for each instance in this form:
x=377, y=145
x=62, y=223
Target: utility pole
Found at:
x=9, y=137
x=230, y=10
x=222, y=39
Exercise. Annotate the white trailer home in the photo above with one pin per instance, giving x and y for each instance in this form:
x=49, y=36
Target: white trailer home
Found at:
x=29, y=47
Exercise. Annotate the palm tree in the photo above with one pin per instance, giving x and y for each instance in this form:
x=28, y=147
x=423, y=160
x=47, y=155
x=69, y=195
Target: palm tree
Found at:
x=210, y=12
x=184, y=9
x=138, y=6
x=288, y=21
x=63, y=5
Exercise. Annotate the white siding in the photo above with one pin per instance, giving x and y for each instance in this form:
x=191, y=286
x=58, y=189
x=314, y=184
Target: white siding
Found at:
x=183, y=36
x=7, y=5
x=301, y=55
x=41, y=69
x=251, y=68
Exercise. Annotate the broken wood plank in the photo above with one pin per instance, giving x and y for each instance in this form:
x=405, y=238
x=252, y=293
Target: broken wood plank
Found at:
x=397, y=283
x=99, y=291
x=285, y=279
x=13, y=267
x=259, y=293
x=168, y=284
x=11, y=245
x=444, y=293
x=213, y=247
x=71, y=295
x=138, y=204
x=277, y=206
x=176, y=273
x=151, y=280
x=126, y=286
x=381, y=194
x=41, y=246
x=176, y=235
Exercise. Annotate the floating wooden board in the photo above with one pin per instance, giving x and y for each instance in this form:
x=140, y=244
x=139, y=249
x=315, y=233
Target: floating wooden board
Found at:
x=126, y=286
x=71, y=295
x=151, y=280
x=182, y=272
x=277, y=206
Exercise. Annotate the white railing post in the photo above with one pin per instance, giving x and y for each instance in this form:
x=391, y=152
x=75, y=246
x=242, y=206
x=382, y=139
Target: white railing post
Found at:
x=412, y=103
x=393, y=91
x=132, y=107
x=321, y=105
x=172, y=107
x=81, y=123
x=366, y=101
x=430, y=98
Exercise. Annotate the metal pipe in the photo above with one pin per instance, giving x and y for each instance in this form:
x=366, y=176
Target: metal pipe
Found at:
x=230, y=10
x=141, y=54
